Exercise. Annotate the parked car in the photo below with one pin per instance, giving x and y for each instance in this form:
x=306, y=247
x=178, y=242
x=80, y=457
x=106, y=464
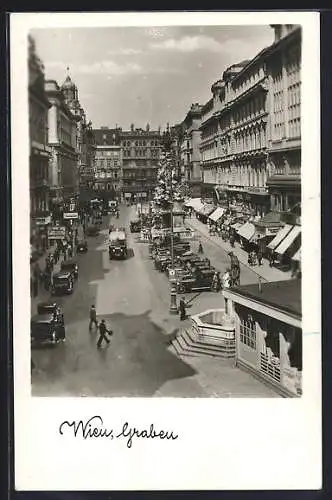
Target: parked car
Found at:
x=135, y=226
x=71, y=266
x=47, y=328
x=82, y=246
x=63, y=282
x=197, y=281
x=50, y=307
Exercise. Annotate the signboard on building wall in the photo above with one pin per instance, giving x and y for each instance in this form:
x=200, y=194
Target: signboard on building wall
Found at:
x=42, y=221
x=56, y=232
x=70, y=215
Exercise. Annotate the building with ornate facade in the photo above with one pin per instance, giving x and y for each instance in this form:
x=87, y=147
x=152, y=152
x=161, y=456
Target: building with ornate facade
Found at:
x=107, y=161
x=62, y=138
x=141, y=151
x=284, y=141
x=190, y=152
x=40, y=153
x=233, y=146
x=85, y=146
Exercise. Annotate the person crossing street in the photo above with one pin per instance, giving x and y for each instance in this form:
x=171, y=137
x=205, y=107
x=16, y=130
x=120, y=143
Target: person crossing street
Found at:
x=102, y=333
x=93, y=317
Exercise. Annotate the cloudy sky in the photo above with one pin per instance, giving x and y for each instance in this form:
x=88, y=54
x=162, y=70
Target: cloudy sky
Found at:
x=145, y=75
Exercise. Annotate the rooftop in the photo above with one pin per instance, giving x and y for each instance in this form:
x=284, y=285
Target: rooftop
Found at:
x=283, y=295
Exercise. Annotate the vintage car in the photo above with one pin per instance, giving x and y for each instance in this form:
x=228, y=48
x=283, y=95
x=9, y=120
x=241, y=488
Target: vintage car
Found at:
x=71, y=266
x=50, y=307
x=197, y=281
x=135, y=226
x=47, y=328
x=63, y=282
x=92, y=230
x=82, y=246
x=117, y=244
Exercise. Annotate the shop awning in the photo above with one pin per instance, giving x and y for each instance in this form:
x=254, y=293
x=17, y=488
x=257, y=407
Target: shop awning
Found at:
x=194, y=203
x=279, y=236
x=297, y=256
x=206, y=209
x=219, y=212
x=290, y=238
x=247, y=231
x=237, y=226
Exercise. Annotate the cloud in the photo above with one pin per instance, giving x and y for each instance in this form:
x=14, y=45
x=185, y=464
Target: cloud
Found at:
x=243, y=49
x=107, y=67
x=125, y=52
x=189, y=44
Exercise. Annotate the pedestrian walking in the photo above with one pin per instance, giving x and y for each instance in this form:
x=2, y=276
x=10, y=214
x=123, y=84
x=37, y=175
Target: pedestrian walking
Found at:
x=200, y=248
x=182, y=309
x=93, y=317
x=102, y=333
x=259, y=257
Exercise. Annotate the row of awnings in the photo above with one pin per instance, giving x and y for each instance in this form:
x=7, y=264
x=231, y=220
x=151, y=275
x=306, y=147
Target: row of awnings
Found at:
x=217, y=214
x=284, y=239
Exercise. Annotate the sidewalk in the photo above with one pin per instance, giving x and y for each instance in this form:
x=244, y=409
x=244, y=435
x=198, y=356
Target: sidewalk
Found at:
x=264, y=271
x=44, y=295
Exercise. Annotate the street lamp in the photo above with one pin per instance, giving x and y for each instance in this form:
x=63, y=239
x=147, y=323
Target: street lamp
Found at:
x=173, y=309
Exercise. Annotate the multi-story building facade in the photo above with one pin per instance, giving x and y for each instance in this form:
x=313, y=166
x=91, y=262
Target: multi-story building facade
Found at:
x=140, y=161
x=39, y=151
x=284, y=142
x=233, y=146
x=190, y=153
x=107, y=162
x=84, y=135
x=62, y=138
x=249, y=92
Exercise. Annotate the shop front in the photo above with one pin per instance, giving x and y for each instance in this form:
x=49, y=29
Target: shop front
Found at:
x=38, y=232
x=269, y=333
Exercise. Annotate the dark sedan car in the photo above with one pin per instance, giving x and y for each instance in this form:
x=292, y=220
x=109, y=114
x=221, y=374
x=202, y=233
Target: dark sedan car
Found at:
x=82, y=246
x=63, y=282
x=71, y=266
x=197, y=281
x=47, y=329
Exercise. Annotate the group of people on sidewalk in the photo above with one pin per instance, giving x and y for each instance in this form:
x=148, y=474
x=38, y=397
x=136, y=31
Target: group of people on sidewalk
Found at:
x=42, y=275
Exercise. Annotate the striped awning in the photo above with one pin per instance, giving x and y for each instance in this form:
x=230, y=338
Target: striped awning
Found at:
x=297, y=256
x=217, y=214
x=281, y=234
x=193, y=203
x=247, y=231
x=206, y=209
x=290, y=238
x=237, y=226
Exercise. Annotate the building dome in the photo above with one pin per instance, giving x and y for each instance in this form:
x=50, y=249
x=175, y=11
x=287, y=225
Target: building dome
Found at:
x=68, y=84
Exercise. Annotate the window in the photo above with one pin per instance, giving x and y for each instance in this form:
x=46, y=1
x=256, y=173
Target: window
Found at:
x=248, y=331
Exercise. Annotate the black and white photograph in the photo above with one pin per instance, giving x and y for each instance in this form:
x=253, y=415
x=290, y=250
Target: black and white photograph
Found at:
x=165, y=222
x=165, y=206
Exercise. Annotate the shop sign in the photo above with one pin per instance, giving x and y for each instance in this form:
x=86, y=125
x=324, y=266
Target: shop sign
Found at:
x=70, y=215
x=56, y=233
x=270, y=231
x=42, y=221
x=127, y=195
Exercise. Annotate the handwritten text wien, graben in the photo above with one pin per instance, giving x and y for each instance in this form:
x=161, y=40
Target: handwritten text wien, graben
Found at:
x=94, y=428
